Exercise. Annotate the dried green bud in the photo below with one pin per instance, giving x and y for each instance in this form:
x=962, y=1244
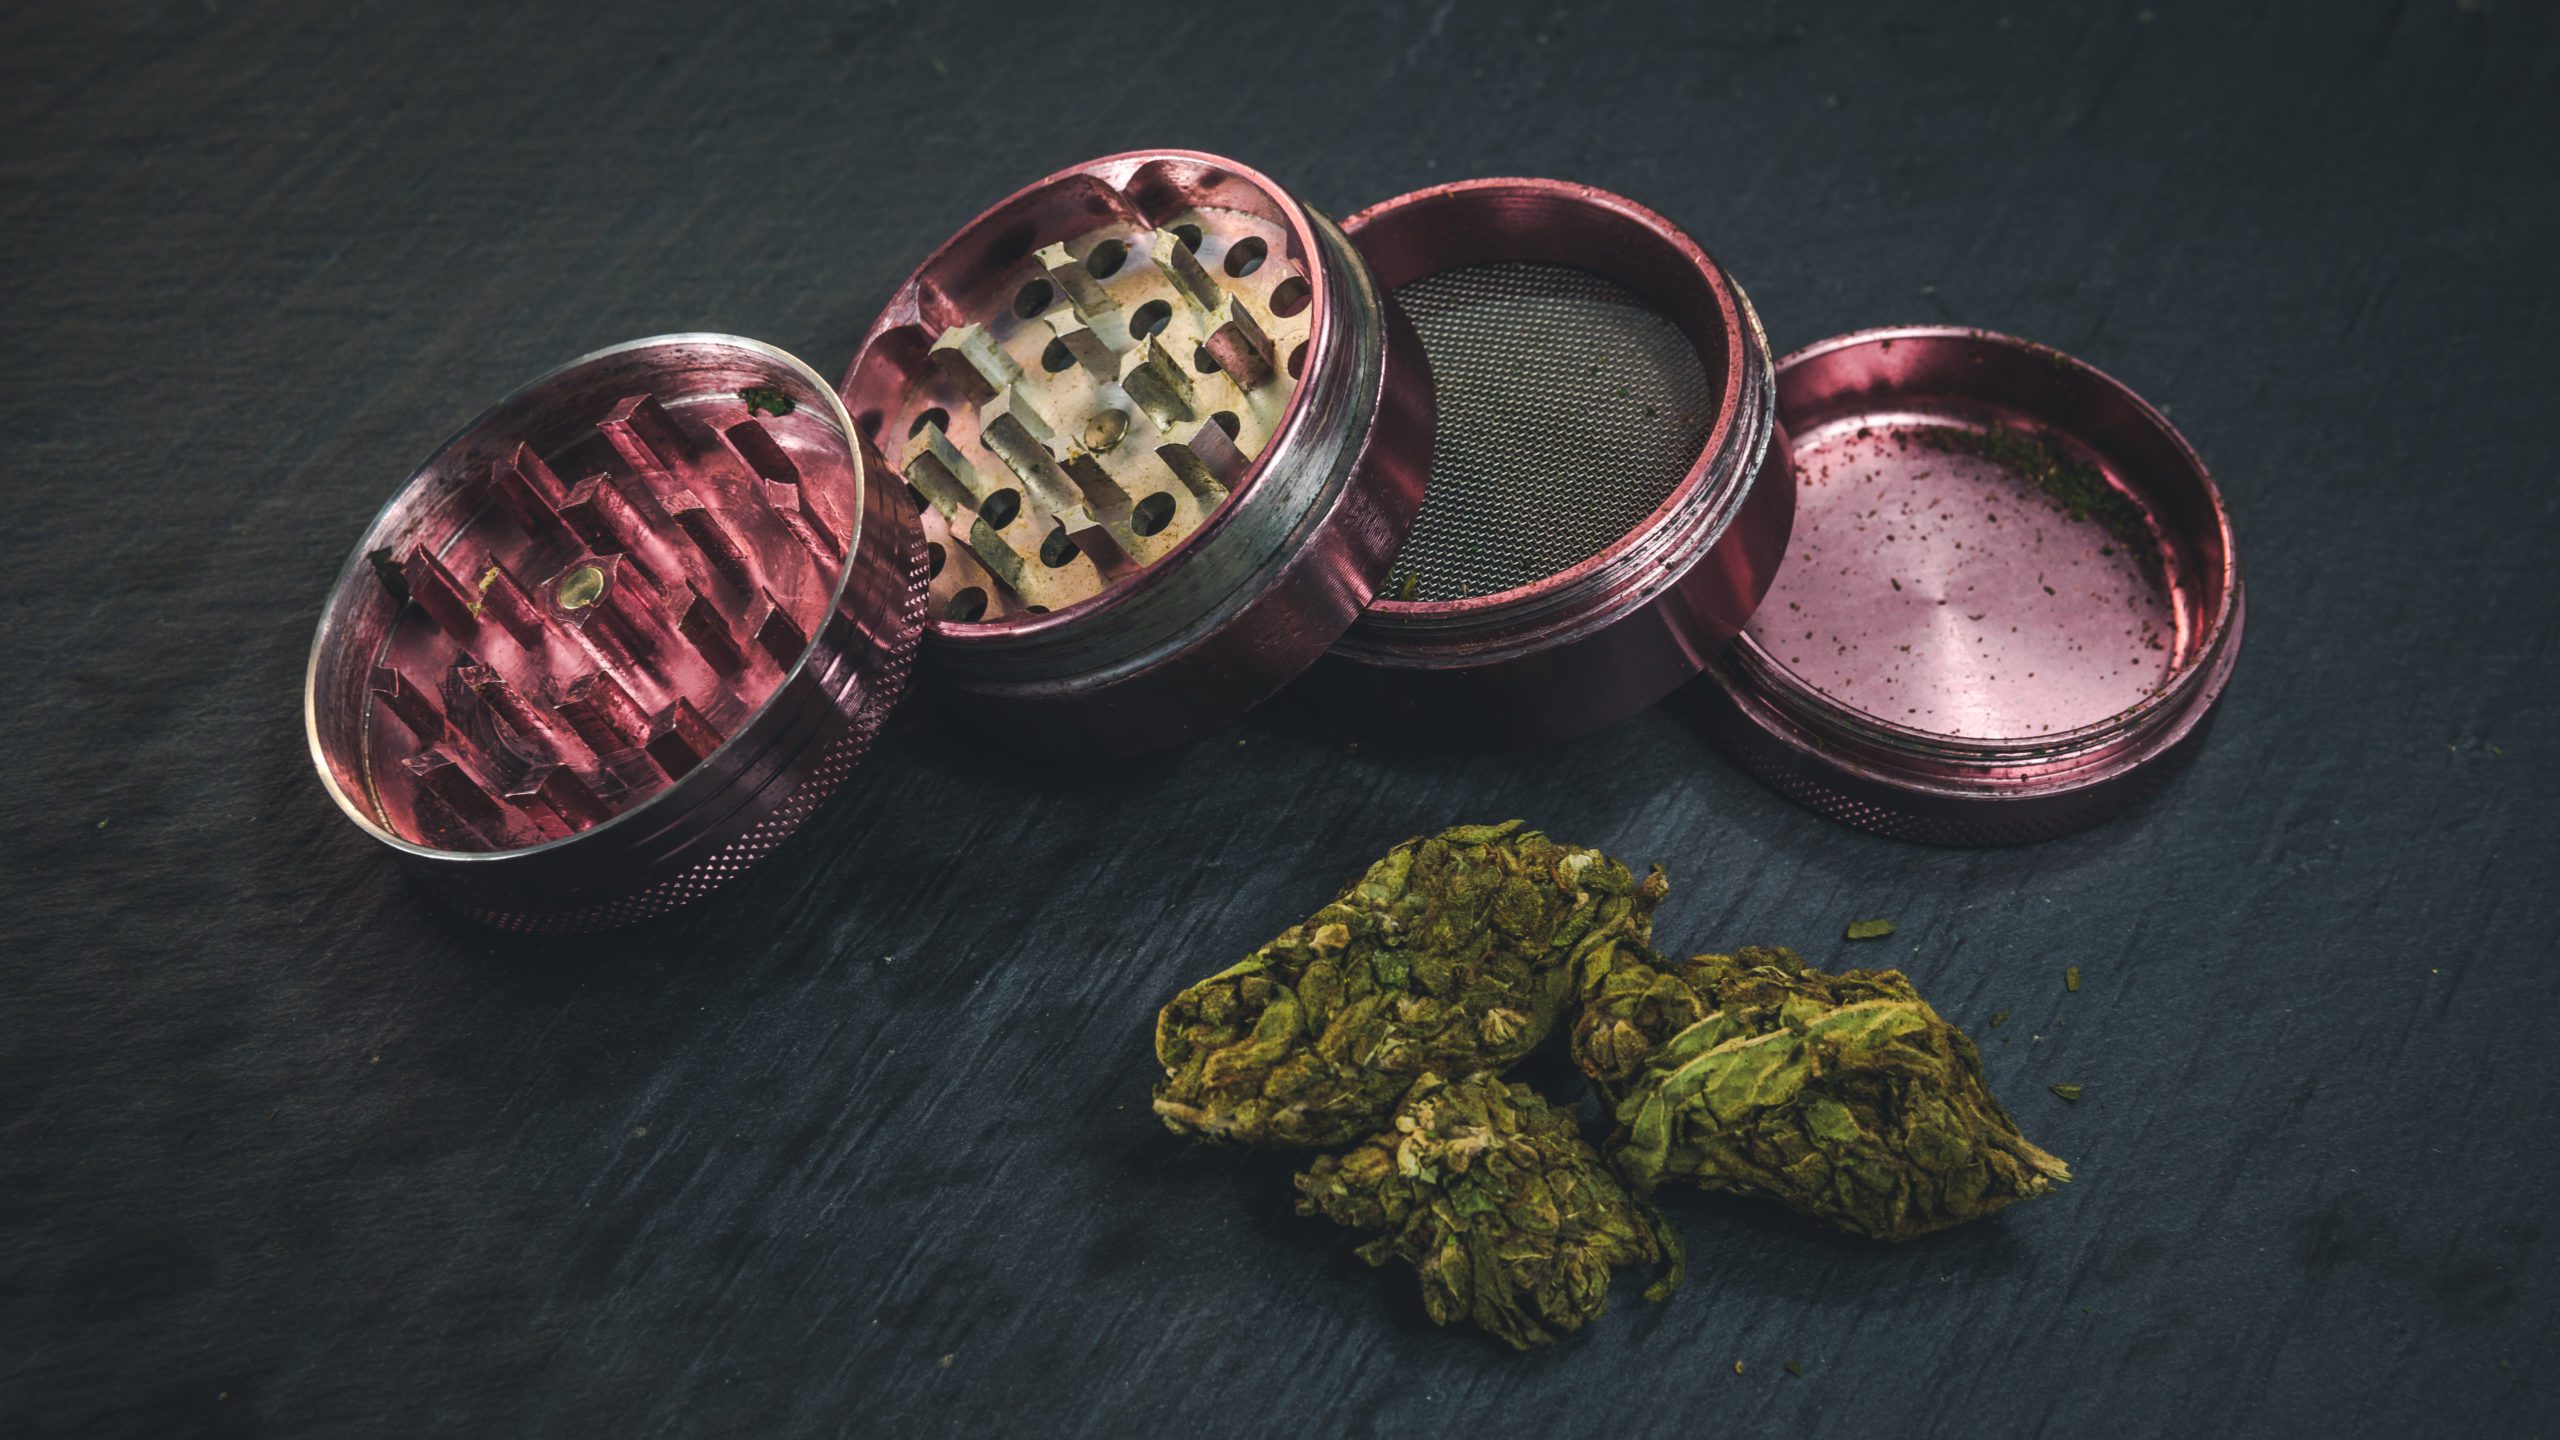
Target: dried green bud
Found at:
x=1495, y=1199
x=1455, y=953
x=1632, y=1000
x=1843, y=1097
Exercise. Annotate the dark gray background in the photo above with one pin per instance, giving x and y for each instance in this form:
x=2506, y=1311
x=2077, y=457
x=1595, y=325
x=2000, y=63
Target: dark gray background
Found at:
x=864, y=1144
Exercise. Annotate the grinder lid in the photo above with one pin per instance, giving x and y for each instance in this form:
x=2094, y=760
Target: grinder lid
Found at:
x=617, y=638
x=2010, y=604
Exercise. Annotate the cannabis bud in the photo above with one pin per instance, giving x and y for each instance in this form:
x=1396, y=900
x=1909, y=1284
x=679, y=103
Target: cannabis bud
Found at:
x=1631, y=1001
x=1844, y=1097
x=1455, y=953
x=1493, y=1196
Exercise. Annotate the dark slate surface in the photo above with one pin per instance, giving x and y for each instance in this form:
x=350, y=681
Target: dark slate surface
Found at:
x=864, y=1145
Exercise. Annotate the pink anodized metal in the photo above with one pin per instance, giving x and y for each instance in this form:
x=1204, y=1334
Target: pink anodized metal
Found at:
x=1949, y=654
x=1102, y=636
x=1623, y=627
x=617, y=638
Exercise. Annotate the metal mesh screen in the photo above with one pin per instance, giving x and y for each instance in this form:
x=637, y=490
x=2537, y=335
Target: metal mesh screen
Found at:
x=1568, y=411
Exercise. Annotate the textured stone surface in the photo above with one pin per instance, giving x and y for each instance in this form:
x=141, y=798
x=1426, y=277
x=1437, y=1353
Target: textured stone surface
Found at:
x=865, y=1144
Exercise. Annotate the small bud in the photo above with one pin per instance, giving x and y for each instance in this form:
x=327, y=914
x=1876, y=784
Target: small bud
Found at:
x=1844, y=1097
x=1499, y=1205
x=1312, y=1039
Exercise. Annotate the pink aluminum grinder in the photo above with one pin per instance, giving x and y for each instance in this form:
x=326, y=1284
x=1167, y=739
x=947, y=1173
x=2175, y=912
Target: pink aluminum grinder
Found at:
x=1165, y=435
x=1609, y=492
x=2011, y=603
x=618, y=637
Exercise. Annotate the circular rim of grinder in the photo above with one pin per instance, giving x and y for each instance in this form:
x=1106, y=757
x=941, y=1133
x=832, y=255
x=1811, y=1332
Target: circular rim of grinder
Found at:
x=1619, y=629
x=1283, y=545
x=1913, y=405
x=731, y=609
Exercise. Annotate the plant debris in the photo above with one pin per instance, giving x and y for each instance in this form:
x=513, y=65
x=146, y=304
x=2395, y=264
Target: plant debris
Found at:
x=768, y=400
x=2081, y=489
x=1870, y=929
x=1498, y=1203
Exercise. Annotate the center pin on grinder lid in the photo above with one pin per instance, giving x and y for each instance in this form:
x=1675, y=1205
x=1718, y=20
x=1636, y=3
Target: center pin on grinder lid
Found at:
x=1165, y=435
x=1609, y=492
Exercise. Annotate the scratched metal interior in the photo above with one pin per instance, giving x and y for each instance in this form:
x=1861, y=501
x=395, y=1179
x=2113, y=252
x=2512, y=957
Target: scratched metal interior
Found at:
x=1567, y=412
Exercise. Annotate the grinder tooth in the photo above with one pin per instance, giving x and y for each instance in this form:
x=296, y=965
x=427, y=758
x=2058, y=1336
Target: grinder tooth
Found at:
x=993, y=551
x=762, y=453
x=1158, y=384
x=941, y=473
x=959, y=490
x=1240, y=346
x=502, y=597
x=530, y=722
x=1100, y=491
x=453, y=607
x=681, y=739
x=1191, y=468
x=702, y=626
x=790, y=504
x=1216, y=446
x=711, y=535
x=1107, y=545
x=1084, y=344
x=529, y=469
x=414, y=707
x=1073, y=280
x=387, y=571
x=778, y=635
x=558, y=789
x=1015, y=430
x=1181, y=266
x=975, y=362
x=442, y=777
x=530, y=492
x=645, y=435
x=605, y=518
x=604, y=715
